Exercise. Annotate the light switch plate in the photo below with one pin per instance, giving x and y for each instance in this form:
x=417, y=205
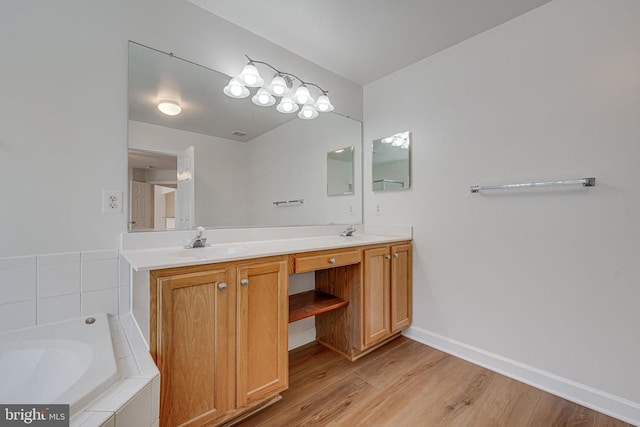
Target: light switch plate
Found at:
x=111, y=202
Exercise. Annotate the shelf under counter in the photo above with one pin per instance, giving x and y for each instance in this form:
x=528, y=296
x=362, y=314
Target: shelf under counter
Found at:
x=311, y=303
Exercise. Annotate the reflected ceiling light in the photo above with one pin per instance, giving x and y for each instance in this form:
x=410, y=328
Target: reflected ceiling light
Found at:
x=235, y=89
x=169, y=107
x=387, y=140
x=339, y=151
x=281, y=86
x=263, y=98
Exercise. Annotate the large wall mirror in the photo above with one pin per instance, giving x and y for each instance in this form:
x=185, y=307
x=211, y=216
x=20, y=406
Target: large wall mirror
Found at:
x=390, y=162
x=223, y=162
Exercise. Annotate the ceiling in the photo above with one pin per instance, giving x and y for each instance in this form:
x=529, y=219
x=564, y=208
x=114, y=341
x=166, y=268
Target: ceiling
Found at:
x=363, y=40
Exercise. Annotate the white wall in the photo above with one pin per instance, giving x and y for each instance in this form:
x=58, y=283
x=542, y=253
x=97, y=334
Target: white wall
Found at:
x=546, y=278
x=286, y=168
x=64, y=109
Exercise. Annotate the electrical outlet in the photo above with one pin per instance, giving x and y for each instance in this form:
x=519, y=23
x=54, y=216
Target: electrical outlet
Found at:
x=350, y=209
x=378, y=209
x=111, y=202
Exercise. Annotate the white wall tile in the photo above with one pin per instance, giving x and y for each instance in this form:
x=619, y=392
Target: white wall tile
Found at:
x=155, y=398
x=58, y=274
x=125, y=272
x=124, y=295
x=93, y=419
x=118, y=395
x=137, y=412
x=17, y=315
x=101, y=301
x=101, y=255
x=58, y=308
x=99, y=274
x=17, y=279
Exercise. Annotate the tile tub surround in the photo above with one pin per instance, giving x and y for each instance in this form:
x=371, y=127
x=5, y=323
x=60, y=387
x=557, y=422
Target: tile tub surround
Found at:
x=48, y=288
x=135, y=399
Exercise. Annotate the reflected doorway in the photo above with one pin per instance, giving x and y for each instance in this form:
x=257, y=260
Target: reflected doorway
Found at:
x=152, y=191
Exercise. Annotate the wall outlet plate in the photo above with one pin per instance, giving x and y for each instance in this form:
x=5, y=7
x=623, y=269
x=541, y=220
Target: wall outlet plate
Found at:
x=111, y=202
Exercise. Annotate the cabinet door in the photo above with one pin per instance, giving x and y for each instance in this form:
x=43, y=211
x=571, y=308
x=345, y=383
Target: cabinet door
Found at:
x=375, y=296
x=196, y=313
x=400, y=287
x=262, y=331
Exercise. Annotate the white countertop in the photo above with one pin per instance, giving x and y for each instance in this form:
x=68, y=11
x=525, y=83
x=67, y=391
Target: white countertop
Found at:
x=152, y=259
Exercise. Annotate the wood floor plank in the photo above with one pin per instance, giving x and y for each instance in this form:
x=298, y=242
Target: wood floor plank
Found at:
x=553, y=411
x=408, y=384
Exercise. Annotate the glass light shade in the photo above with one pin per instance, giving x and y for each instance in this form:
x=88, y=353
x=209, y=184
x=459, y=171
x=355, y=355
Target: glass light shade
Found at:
x=250, y=76
x=308, y=112
x=287, y=105
x=235, y=89
x=278, y=86
x=302, y=95
x=323, y=104
x=263, y=98
x=170, y=108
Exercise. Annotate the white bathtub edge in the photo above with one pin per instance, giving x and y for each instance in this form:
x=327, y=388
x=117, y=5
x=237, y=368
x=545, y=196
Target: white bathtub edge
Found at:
x=134, y=379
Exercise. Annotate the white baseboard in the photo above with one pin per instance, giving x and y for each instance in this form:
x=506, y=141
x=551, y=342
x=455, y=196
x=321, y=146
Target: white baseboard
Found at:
x=301, y=338
x=581, y=394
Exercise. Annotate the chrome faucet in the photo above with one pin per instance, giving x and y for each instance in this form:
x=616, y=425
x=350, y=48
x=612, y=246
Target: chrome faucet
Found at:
x=198, y=241
x=348, y=232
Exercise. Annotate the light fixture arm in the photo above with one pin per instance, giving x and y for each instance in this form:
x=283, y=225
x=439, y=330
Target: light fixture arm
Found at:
x=253, y=61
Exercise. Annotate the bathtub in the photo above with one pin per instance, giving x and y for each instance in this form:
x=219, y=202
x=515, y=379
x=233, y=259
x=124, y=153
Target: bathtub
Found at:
x=69, y=362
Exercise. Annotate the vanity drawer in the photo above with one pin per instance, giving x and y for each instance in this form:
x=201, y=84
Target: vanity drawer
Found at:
x=326, y=259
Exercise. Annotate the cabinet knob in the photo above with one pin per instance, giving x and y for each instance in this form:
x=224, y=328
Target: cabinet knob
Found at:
x=244, y=282
x=222, y=286
x=332, y=260
x=396, y=255
x=387, y=256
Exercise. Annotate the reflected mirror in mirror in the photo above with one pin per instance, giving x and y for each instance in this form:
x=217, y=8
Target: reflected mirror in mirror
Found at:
x=231, y=158
x=340, y=172
x=391, y=161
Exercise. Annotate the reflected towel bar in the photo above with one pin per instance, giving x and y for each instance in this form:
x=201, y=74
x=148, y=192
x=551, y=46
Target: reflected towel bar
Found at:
x=585, y=182
x=288, y=202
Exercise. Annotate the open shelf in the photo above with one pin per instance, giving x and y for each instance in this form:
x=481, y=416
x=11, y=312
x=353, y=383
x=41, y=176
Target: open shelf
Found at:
x=310, y=303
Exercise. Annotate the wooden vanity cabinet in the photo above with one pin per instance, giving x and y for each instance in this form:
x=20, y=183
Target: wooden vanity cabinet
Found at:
x=219, y=338
x=386, y=292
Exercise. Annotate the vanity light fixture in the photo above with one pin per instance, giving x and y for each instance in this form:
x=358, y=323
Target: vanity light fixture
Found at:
x=398, y=140
x=282, y=86
x=169, y=107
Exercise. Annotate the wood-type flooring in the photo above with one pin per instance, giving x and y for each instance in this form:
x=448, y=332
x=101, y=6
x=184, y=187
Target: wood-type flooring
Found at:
x=406, y=384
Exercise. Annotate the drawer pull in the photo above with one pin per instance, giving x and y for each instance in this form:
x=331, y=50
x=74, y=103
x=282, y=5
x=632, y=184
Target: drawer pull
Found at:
x=387, y=256
x=332, y=260
x=396, y=255
x=244, y=282
x=222, y=286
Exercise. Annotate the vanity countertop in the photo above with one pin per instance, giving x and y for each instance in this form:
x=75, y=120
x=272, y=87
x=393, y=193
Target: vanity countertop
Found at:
x=153, y=259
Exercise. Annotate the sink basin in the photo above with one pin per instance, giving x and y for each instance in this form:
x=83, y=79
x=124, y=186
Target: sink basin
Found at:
x=210, y=252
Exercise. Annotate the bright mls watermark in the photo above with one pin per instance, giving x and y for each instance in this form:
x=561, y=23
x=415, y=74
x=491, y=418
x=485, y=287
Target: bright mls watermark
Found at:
x=34, y=415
